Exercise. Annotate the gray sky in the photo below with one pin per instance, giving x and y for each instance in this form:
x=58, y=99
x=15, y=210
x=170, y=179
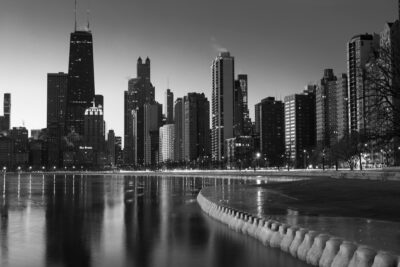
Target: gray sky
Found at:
x=281, y=44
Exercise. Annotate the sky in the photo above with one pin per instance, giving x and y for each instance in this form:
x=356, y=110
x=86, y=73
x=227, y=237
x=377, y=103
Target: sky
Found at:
x=281, y=44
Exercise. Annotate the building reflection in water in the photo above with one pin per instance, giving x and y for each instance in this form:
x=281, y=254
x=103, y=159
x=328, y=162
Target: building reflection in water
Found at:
x=118, y=220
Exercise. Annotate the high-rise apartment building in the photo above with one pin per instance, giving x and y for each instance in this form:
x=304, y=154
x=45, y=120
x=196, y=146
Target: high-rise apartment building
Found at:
x=299, y=126
x=222, y=103
x=342, y=110
x=152, y=123
x=179, y=122
x=169, y=106
x=5, y=119
x=140, y=91
x=196, y=125
x=81, y=90
x=242, y=115
x=111, y=147
x=272, y=130
x=167, y=143
x=360, y=50
x=325, y=105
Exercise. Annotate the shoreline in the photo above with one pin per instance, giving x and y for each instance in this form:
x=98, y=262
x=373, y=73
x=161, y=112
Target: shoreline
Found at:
x=372, y=174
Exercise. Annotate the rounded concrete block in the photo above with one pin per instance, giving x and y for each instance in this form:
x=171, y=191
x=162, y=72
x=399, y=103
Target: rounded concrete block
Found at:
x=306, y=245
x=260, y=225
x=297, y=241
x=384, y=259
x=277, y=237
x=240, y=223
x=343, y=257
x=316, y=250
x=266, y=232
x=288, y=238
x=233, y=221
x=363, y=257
x=245, y=224
x=331, y=249
x=253, y=227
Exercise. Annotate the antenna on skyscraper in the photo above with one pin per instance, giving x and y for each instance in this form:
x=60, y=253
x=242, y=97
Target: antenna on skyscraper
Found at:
x=75, y=14
x=88, y=16
x=88, y=19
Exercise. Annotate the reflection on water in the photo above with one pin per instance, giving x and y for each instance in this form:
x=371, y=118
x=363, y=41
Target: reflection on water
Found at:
x=78, y=220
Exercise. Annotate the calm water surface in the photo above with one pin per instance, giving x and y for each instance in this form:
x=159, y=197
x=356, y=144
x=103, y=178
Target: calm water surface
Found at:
x=111, y=220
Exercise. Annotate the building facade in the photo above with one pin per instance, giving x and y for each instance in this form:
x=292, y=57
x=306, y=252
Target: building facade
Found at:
x=81, y=88
x=167, y=143
x=222, y=103
x=325, y=105
x=272, y=131
x=196, y=125
x=169, y=106
x=360, y=50
x=140, y=91
x=299, y=127
x=152, y=124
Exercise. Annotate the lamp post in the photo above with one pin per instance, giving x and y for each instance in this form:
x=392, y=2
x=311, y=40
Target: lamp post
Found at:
x=305, y=158
x=323, y=160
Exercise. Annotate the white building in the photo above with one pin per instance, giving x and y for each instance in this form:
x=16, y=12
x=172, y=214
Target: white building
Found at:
x=166, y=143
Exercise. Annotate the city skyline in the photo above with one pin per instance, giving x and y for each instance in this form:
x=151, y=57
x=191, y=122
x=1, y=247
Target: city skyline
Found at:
x=41, y=37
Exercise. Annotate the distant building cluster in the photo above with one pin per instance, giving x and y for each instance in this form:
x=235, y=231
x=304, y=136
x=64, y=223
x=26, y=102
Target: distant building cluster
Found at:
x=349, y=115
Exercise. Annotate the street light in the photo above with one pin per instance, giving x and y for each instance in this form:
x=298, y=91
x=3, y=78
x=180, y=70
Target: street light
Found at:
x=305, y=158
x=258, y=155
x=323, y=160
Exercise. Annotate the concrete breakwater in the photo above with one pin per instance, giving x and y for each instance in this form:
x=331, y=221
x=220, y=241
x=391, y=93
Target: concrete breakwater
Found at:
x=317, y=249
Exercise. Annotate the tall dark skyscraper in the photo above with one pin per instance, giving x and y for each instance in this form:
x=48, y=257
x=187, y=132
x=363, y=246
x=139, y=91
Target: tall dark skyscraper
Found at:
x=81, y=90
x=178, y=118
x=359, y=51
x=272, y=130
x=57, y=86
x=140, y=91
x=196, y=126
x=242, y=115
x=300, y=126
x=169, y=106
x=5, y=119
x=222, y=103
x=325, y=104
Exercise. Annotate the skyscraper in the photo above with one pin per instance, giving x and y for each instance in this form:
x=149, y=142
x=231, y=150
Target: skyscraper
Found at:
x=7, y=111
x=94, y=128
x=299, y=126
x=325, y=104
x=241, y=84
x=342, y=109
x=152, y=123
x=360, y=50
x=140, y=91
x=196, y=125
x=57, y=86
x=111, y=147
x=272, y=130
x=222, y=103
x=5, y=119
x=179, y=141
x=166, y=142
x=81, y=90
x=169, y=106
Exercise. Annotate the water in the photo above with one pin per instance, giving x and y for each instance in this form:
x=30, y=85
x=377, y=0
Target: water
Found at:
x=379, y=234
x=111, y=220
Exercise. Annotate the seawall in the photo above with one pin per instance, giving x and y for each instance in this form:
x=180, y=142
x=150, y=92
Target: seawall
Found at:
x=315, y=248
